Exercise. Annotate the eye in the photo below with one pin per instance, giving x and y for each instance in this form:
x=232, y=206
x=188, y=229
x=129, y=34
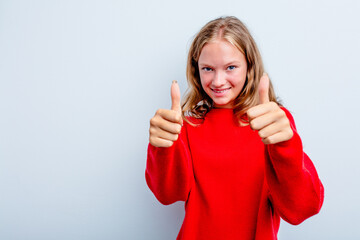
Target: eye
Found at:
x=231, y=67
x=207, y=69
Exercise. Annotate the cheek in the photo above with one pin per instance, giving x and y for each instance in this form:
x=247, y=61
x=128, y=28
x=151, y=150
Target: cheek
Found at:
x=239, y=80
x=205, y=80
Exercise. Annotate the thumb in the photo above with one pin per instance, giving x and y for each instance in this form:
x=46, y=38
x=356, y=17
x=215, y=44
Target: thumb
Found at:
x=263, y=89
x=175, y=97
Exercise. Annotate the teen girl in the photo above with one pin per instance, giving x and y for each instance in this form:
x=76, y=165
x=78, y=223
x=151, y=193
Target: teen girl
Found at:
x=231, y=151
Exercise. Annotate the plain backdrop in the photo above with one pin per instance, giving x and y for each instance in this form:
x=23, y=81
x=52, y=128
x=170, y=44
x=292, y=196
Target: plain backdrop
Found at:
x=79, y=81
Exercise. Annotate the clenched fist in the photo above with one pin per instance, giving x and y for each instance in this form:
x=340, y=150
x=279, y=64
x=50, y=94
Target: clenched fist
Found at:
x=166, y=124
x=268, y=118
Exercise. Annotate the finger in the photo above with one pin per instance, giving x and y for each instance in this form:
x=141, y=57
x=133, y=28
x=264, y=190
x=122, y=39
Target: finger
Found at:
x=278, y=137
x=266, y=119
x=261, y=109
x=167, y=126
x=171, y=127
x=273, y=128
x=263, y=89
x=175, y=97
x=169, y=115
x=158, y=132
x=159, y=142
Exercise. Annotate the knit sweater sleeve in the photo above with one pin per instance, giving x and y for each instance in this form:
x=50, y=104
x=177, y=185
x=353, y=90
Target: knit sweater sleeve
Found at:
x=295, y=189
x=169, y=170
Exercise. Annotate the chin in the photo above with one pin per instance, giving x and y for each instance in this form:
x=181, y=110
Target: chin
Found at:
x=222, y=105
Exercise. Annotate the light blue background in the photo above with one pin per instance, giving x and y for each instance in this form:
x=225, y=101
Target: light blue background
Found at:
x=79, y=81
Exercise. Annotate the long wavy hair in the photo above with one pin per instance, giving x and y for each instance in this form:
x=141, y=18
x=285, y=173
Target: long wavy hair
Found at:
x=197, y=103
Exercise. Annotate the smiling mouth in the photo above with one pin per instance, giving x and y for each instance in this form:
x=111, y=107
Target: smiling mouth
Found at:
x=219, y=90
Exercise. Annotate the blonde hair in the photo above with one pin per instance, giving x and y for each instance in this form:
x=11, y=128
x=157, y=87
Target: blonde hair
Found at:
x=196, y=102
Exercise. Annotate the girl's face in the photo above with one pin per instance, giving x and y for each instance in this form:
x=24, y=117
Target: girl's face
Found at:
x=223, y=71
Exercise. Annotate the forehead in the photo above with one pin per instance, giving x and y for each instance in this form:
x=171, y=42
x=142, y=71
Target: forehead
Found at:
x=220, y=51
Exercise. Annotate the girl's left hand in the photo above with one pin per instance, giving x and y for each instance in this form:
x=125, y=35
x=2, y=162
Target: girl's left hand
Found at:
x=268, y=118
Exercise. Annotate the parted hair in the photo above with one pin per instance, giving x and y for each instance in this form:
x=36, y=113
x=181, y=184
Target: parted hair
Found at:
x=197, y=103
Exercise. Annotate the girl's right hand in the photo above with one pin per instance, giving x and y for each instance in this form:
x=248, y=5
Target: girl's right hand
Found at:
x=166, y=124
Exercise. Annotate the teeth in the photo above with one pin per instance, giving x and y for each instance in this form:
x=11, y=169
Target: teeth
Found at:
x=220, y=91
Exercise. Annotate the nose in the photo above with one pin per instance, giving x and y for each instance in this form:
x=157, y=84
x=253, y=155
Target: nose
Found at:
x=219, y=79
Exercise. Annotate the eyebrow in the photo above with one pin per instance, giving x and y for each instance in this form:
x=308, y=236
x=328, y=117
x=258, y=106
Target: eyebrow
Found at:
x=227, y=64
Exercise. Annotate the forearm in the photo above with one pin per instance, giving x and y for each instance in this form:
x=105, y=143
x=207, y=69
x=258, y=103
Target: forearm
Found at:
x=168, y=172
x=295, y=188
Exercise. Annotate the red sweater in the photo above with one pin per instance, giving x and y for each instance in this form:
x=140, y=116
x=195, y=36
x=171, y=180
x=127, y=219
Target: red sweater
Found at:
x=234, y=186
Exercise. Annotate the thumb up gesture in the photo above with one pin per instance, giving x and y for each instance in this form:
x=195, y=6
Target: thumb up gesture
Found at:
x=166, y=124
x=268, y=118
